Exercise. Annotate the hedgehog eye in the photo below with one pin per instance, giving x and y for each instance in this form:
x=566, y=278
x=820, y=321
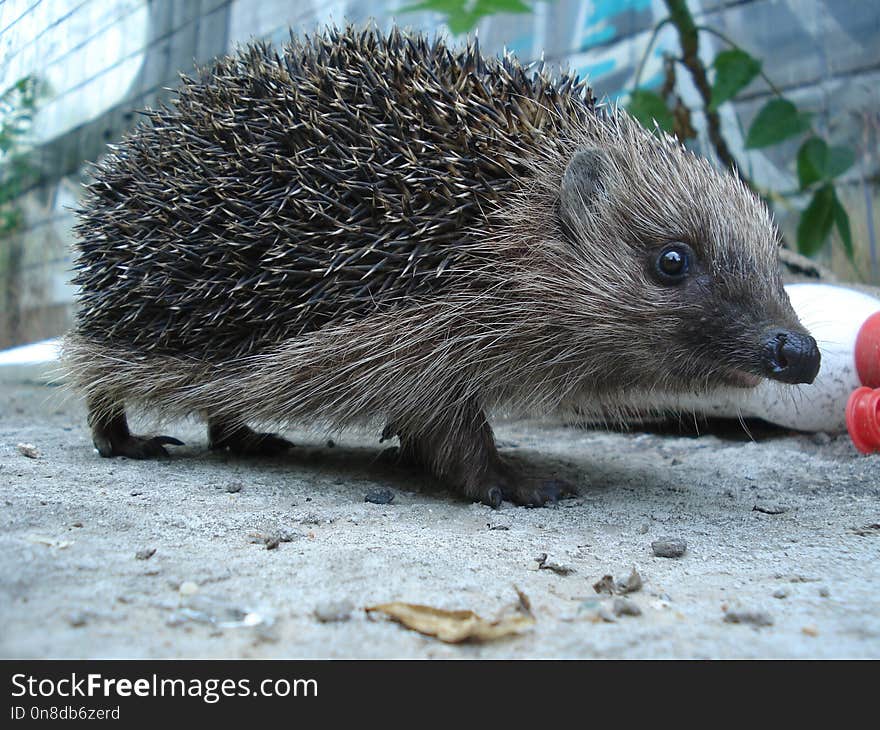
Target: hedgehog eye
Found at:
x=673, y=263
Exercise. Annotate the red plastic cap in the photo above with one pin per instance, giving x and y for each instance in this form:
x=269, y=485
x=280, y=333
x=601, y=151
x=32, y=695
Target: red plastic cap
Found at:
x=868, y=352
x=863, y=419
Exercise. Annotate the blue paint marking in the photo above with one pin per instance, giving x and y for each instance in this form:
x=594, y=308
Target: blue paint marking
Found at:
x=607, y=8
x=599, y=27
x=603, y=10
x=522, y=45
x=600, y=36
x=594, y=71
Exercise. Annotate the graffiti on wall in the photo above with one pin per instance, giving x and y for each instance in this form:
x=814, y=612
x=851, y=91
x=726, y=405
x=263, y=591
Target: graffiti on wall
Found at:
x=103, y=59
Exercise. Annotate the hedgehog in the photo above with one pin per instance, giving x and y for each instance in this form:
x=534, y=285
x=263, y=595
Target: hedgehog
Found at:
x=370, y=228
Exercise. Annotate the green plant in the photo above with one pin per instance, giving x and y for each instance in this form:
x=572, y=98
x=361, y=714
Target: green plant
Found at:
x=17, y=106
x=819, y=165
x=463, y=15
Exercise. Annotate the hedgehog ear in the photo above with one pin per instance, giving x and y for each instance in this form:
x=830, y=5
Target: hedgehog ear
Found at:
x=581, y=182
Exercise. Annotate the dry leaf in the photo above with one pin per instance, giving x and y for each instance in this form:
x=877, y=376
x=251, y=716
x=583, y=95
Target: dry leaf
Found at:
x=524, y=605
x=555, y=567
x=604, y=585
x=452, y=627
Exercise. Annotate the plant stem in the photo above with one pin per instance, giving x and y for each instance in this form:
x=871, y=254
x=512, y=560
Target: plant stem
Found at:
x=651, y=40
x=688, y=34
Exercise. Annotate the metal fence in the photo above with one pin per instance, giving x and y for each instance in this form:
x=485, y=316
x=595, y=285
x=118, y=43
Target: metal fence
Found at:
x=101, y=60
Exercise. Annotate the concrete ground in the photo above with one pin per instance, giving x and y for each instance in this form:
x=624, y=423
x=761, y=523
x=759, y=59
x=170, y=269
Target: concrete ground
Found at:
x=782, y=532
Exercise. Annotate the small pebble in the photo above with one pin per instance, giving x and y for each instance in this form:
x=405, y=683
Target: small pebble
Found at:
x=330, y=611
x=379, y=496
x=824, y=592
x=643, y=528
x=669, y=547
x=145, y=554
x=28, y=450
x=780, y=593
x=234, y=487
x=810, y=630
x=755, y=618
x=626, y=607
x=272, y=542
x=188, y=588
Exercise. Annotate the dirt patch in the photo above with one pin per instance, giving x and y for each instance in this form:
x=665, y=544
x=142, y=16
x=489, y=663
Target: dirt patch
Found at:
x=76, y=579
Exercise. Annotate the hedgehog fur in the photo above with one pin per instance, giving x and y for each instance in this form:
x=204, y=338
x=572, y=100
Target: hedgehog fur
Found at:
x=343, y=174
x=367, y=227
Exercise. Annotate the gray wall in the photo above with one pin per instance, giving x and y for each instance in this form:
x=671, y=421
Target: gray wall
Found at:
x=103, y=59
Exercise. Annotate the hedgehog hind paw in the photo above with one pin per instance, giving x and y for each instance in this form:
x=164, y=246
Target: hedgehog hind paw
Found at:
x=242, y=441
x=526, y=491
x=136, y=447
x=539, y=492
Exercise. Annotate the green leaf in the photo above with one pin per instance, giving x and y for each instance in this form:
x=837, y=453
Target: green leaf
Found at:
x=777, y=120
x=817, y=161
x=810, y=152
x=504, y=6
x=841, y=221
x=648, y=106
x=816, y=221
x=463, y=15
x=734, y=70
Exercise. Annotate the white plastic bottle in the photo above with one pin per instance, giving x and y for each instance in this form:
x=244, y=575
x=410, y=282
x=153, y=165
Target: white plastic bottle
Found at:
x=835, y=316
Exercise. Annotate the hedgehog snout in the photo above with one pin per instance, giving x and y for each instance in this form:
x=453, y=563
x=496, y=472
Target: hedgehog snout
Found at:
x=790, y=357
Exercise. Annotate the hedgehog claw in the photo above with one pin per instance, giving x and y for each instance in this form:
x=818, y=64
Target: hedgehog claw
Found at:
x=523, y=490
x=494, y=497
x=536, y=492
x=136, y=447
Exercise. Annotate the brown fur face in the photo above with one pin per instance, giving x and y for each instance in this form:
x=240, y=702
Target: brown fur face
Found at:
x=613, y=203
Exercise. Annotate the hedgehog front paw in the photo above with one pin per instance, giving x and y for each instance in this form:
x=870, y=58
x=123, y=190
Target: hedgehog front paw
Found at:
x=135, y=447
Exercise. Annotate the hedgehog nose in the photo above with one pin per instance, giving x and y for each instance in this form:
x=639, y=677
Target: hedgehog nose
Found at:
x=790, y=357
